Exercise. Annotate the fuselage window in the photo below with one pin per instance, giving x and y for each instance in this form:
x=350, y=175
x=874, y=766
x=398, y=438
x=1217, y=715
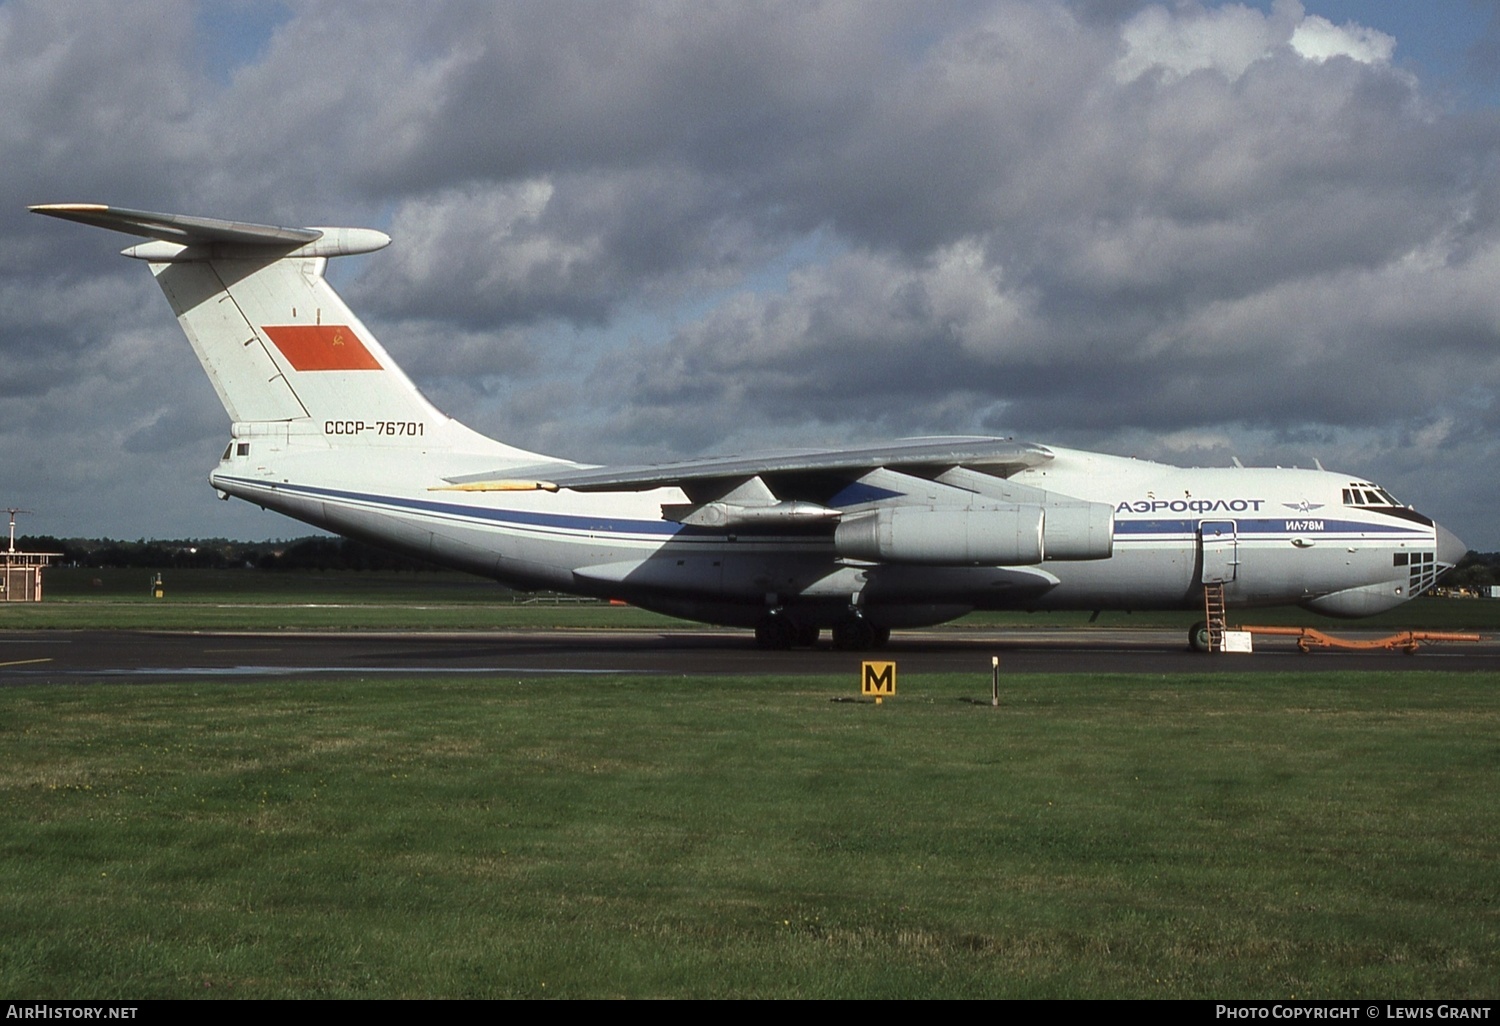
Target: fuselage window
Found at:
x=243, y=449
x=228, y=451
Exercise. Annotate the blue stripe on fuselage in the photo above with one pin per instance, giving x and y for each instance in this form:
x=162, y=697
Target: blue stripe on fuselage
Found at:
x=1263, y=527
x=564, y=521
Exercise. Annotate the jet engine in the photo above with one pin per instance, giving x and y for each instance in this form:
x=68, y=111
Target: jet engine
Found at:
x=1004, y=535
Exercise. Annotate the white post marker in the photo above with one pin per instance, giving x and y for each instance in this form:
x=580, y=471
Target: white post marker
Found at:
x=995, y=682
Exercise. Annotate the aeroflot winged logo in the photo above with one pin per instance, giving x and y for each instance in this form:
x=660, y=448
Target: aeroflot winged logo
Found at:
x=320, y=347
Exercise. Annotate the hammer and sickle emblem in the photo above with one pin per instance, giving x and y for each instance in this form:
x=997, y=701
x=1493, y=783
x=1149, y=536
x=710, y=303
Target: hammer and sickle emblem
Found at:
x=338, y=338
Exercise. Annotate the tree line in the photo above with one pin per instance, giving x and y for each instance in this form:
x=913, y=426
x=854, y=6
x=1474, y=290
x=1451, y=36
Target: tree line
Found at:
x=311, y=553
x=1475, y=570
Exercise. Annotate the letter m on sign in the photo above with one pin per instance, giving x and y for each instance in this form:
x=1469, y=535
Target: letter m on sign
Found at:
x=877, y=679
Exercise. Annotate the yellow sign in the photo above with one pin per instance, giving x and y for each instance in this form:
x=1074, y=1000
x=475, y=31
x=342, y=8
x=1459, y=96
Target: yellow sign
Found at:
x=878, y=679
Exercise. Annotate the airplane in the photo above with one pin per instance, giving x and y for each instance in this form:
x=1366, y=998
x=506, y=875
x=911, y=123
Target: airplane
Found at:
x=327, y=429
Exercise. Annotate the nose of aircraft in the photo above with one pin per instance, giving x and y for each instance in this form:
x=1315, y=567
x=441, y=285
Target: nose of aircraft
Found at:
x=1450, y=551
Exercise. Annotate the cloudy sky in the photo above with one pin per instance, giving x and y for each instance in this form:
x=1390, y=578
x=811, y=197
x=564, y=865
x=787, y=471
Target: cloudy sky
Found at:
x=1182, y=231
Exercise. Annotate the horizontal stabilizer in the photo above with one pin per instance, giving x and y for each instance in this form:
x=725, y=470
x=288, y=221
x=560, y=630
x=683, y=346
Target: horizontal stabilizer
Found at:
x=182, y=238
x=179, y=228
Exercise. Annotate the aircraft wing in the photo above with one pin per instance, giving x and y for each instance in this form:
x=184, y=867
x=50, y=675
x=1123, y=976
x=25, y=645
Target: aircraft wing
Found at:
x=998, y=456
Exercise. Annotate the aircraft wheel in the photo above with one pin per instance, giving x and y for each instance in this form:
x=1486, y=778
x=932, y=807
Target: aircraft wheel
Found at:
x=774, y=633
x=806, y=637
x=881, y=637
x=853, y=635
x=1198, y=636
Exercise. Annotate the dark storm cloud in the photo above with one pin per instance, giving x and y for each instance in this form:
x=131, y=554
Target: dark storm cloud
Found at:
x=1483, y=57
x=96, y=96
x=574, y=249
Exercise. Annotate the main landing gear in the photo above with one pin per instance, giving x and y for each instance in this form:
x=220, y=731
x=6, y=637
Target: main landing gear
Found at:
x=856, y=634
x=778, y=631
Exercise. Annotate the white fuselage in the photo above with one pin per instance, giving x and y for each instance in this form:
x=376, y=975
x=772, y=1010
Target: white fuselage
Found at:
x=1273, y=536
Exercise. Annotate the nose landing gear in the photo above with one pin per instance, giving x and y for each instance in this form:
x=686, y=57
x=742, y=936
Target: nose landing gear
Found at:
x=1199, y=640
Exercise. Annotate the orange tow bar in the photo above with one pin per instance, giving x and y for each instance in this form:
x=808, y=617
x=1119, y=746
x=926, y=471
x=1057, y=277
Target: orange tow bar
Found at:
x=1405, y=641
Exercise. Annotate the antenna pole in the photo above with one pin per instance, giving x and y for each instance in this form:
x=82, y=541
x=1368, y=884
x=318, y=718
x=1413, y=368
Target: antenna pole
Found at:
x=13, y=510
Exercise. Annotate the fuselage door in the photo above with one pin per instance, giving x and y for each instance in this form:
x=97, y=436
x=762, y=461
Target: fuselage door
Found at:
x=1218, y=542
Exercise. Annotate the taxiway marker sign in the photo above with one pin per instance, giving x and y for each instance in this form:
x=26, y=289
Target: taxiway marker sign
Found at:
x=878, y=679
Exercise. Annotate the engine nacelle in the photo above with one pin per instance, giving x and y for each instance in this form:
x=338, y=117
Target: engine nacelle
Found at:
x=1008, y=535
x=1078, y=530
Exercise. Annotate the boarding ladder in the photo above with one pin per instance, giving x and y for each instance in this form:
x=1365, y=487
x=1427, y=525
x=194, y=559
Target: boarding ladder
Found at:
x=1214, y=614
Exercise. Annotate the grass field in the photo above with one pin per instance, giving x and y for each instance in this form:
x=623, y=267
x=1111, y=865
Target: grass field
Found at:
x=1216, y=836
x=85, y=599
x=93, y=599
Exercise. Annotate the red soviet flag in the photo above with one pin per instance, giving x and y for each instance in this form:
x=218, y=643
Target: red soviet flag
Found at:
x=320, y=347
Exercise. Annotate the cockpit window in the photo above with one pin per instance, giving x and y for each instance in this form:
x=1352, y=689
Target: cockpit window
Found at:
x=1361, y=493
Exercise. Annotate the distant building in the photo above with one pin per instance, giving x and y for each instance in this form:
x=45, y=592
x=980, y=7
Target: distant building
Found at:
x=21, y=572
x=21, y=575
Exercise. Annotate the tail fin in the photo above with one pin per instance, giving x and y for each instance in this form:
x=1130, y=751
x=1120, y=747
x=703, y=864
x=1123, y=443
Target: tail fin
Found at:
x=283, y=351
